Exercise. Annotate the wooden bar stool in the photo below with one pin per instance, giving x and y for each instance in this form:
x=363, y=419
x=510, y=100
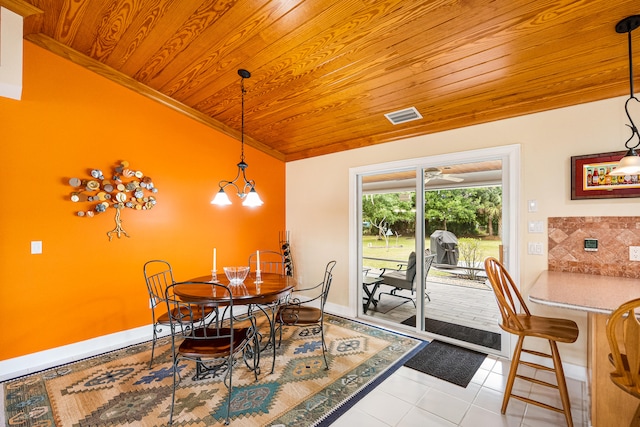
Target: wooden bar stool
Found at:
x=524, y=324
x=623, y=333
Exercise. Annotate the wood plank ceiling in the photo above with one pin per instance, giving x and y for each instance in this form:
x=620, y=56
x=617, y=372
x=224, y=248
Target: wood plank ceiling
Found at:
x=324, y=72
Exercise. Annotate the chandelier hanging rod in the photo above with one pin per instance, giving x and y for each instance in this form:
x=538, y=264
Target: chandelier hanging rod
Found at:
x=630, y=163
x=627, y=25
x=246, y=190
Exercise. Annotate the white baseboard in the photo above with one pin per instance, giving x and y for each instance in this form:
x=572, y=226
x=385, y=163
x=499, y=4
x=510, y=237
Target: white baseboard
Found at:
x=339, y=310
x=34, y=362
x=574, y=371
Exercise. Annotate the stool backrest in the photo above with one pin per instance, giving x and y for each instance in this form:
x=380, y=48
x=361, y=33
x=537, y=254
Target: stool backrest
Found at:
x=507, y=295
x=623, y=333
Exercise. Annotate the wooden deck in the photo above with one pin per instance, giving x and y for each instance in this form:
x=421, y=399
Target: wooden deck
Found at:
x=463, y=302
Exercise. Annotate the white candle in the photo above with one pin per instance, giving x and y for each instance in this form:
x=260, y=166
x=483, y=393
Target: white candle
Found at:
x=214, y=260
x=258, y=260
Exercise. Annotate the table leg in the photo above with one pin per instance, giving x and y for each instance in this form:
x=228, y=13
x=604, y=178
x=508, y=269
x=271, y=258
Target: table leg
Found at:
x=370, y=295
x=270, y=312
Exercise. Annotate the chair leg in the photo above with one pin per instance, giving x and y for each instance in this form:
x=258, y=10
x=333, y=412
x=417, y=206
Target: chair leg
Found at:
x=324, y=346
x=173, y=393
x=515, y=361
x=280, y=326
x=153, y=345
x=230, y=373
x=562, y=383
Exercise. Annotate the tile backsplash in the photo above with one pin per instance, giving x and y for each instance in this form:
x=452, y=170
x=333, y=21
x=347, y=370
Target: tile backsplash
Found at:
x=614, y=233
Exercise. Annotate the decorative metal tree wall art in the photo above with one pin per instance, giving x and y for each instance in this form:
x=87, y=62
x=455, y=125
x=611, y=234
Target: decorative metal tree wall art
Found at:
x=126, y=188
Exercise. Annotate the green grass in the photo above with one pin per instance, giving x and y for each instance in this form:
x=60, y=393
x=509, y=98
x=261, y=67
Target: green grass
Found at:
x=400, y=248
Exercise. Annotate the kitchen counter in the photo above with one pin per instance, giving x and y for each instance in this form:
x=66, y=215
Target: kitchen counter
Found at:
x=598, y=296
x=583, y=292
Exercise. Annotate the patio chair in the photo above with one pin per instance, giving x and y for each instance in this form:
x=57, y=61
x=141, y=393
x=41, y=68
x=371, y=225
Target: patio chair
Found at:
x=298, y=312
x=405, y=279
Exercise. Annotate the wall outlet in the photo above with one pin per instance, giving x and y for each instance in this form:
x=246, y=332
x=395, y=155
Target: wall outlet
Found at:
x=634, y=253
x=36, y=247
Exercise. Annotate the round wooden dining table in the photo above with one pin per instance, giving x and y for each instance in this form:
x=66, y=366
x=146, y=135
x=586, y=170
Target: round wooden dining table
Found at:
x=265, y=296
x=273, y=288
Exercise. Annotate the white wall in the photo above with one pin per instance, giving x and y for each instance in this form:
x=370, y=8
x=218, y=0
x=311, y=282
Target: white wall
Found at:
x=10, y=54
x=318, y=190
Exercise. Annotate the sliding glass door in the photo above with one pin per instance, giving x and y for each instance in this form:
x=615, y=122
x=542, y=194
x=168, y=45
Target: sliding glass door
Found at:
x=388, y=242
x=425, y=228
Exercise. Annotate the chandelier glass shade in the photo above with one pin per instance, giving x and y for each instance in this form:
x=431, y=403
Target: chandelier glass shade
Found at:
x=246, y=189
x=630, y=163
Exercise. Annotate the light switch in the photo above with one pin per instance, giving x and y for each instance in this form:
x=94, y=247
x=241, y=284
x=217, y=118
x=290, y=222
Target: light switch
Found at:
x=36, y=247
x=534, y=248
x=532, y=205
x=536, y=227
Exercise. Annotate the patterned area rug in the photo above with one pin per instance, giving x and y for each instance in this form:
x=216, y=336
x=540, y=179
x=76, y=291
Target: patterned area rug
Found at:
x=118, y=388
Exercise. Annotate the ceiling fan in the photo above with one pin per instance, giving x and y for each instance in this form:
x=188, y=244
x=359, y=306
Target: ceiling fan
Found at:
x=435, y=173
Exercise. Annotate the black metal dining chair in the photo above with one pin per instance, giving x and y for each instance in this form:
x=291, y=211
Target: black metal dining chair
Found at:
x=214, y=345
x=270, y=262
x=301, y=310
x=158, y=275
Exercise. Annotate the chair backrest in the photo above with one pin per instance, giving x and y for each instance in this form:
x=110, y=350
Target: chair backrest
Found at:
x=623, y=333
x=328, y=278
x=507, y=295
x=270, y=262
x=428, y=262
x=411, y=267
x=158, y=275
x=186, y=317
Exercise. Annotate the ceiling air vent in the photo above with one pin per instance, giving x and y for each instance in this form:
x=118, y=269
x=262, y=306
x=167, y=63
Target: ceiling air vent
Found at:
x=403, y=116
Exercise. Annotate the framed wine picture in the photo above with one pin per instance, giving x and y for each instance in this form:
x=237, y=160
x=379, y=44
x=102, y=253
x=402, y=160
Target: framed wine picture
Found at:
x=591, y=177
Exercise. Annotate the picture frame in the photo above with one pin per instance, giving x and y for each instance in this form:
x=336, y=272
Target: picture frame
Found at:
x=590, y=179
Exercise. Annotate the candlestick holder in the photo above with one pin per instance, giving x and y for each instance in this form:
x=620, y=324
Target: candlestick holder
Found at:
x=258, y=277
x=214, y=276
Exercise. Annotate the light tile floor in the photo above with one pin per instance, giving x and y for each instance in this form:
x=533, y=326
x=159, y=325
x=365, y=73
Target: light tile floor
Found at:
x=410, y=398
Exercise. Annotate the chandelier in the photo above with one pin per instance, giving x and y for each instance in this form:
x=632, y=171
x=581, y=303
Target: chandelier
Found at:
x=246, y=189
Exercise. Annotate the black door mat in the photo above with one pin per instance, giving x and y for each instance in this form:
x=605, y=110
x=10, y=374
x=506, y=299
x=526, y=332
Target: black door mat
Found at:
x=459, y=332
x=448, y=362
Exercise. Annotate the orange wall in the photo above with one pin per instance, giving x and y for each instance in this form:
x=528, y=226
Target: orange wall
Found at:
x=71, y=120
